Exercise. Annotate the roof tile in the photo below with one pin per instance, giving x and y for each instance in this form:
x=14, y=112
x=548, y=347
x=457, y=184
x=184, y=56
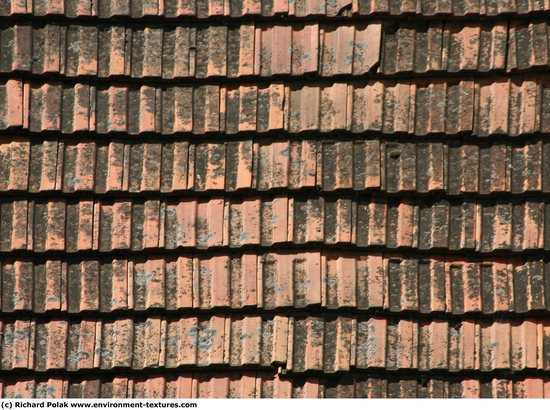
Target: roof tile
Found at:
x=402, y=108
x=484, y=226
x=210, y=8
x=135, y=237
x=264, y=384
x=240, y=340
x=268, y=50
x=263, y=164
x=329, y=279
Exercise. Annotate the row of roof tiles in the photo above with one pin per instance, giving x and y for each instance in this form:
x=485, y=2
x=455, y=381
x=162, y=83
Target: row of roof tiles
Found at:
x=330, y=280
x=454, y=47
x=266, y=50
x=298, y=8
x=266, y=385
x=299, y=343
x=483, y=107
x=71, y=226
x=189, y=51
x=33, y=166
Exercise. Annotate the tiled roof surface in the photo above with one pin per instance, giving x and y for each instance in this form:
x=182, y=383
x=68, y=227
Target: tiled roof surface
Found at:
x=268, y=385
x=300, y=8
x=366, y=283
x=497, y=106
x=275, y=198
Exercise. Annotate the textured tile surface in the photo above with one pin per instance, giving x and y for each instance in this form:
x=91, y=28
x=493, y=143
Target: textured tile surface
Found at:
x=328, y=280
x=275, y=198
x=326, y=344
x=495, y=106
x=268, y=385
x=202, y=9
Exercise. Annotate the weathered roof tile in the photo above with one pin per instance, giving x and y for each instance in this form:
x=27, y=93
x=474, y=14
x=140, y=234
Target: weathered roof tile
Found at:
x=502, y=107
x=252, y=384
x=191, y=187
x=329, y=279
x=315, y=344
x=266, y=50
x=203, y=9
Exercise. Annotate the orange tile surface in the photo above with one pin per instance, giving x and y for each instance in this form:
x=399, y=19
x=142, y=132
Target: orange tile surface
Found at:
x=274, y=198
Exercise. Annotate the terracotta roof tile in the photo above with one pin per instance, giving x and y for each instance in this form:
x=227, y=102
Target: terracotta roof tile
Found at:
x=302, y=8
x=399, y=107
x=259, y=384
x=326, y=344
x=200, y=199
x=203, y=51
x=343, y=164
x=328, y=279
x=455, y=46
x=484, y=226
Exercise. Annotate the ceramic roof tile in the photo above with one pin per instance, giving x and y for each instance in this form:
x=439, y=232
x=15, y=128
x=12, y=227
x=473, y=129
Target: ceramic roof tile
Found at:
x=246, y=49
x=326, y=279
x=79, y=225
x=200, y=199
x=266, y=385
x=303, y=8
x=236, y=341
x=497, y=106
x=455, y=46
